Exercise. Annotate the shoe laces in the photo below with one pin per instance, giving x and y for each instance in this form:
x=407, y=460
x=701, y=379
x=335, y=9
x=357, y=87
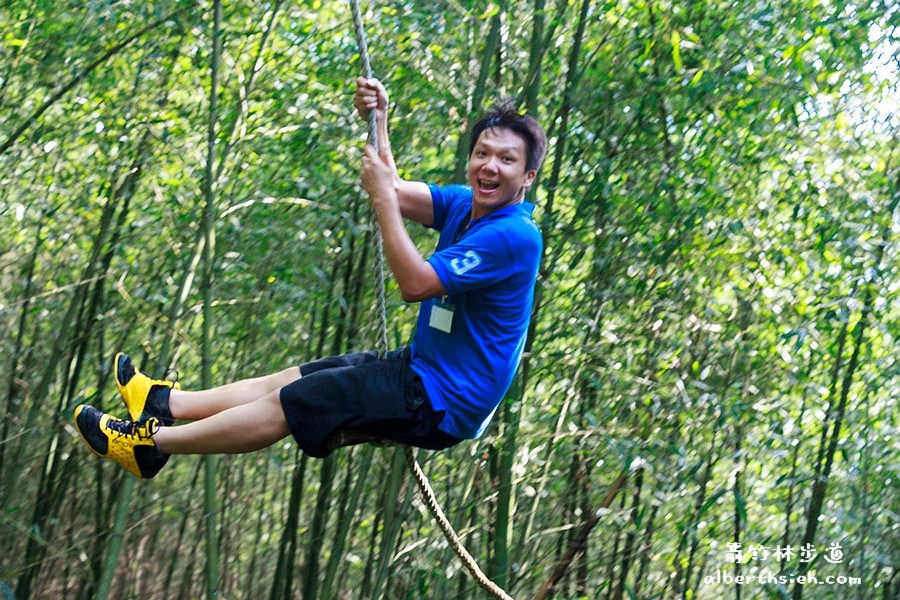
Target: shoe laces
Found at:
x=141, y=430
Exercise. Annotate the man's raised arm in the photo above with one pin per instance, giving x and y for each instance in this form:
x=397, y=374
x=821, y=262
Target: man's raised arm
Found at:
x=414, y=197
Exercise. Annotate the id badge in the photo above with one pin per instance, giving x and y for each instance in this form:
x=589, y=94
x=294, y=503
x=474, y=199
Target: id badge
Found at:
x=441, y=316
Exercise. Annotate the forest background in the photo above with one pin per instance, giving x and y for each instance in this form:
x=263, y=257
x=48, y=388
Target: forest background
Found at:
x=711, y=384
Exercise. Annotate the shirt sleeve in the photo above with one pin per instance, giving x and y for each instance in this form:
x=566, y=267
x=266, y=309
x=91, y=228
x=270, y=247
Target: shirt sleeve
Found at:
x=442, y=199
x=486, y=257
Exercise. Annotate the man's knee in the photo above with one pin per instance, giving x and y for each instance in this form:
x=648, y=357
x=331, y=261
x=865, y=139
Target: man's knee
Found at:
x=286, y=376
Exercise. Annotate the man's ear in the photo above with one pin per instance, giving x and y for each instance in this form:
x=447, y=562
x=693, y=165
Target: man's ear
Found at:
x=529, y=178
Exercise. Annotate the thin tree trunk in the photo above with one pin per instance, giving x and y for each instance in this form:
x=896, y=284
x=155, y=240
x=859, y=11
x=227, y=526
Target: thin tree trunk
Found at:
x=499, y=570
x=177, y=543
x=490, y=49
x=54, y=477
x=392, y=520
x=702, y=504
x=13, y=389
x=820, y=484
x=628, y=551
x=209, y=215
x=186, y=574
x=739, y=510
x=584, y=505
x=361, y=467
x=281, y=582
x=123, y=494
x=611, y=564
x=868, y=479
x=316, y=535
x=645, y=551
x=792, y=483
x=578, y=541
x=64, y=340
x=545, y=270
x=828, y=448
x=251, y=584
x=365, y=587
x=537, y=47
x=499, y=567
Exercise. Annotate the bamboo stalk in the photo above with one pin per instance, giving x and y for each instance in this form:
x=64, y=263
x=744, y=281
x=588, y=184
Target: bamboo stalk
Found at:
x=577, y=542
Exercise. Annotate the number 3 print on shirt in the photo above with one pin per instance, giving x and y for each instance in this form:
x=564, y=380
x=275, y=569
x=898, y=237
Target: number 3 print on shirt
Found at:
x=462, y=265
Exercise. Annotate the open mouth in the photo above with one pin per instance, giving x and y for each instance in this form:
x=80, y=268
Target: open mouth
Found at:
x=487, y=186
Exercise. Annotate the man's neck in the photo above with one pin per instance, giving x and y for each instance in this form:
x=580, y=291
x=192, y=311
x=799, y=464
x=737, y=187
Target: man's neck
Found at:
x=475, y=214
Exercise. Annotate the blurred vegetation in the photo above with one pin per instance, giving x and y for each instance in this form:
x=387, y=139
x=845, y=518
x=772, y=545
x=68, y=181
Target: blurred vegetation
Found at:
x=717, y=316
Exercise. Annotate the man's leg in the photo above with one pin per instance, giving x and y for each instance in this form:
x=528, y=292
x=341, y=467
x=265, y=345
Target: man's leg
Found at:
x=242, y=427
x=193, y=406
x=143, y=447
x=147, y=397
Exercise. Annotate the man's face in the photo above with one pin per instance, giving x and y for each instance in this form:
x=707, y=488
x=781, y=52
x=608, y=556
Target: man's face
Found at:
x=497, y=170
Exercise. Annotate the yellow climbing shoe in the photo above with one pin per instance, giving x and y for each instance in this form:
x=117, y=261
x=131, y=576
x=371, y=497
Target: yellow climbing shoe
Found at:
x=143, y=397
x=129, y=443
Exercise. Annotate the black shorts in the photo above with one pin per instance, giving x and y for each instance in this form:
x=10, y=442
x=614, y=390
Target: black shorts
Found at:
x=382, y=398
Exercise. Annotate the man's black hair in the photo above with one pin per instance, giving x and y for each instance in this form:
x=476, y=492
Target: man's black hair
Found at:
x=505, y=116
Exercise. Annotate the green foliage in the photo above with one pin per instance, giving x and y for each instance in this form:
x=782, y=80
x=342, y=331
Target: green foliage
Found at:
x=721, y=242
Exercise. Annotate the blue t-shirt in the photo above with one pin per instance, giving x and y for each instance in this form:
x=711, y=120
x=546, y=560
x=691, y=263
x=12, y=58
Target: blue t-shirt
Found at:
x=488, y=270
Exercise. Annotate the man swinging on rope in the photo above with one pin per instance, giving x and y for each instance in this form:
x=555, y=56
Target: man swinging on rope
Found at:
x=475, y=292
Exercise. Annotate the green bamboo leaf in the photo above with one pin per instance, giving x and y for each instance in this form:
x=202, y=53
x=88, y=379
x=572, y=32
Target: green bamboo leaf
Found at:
x=697, y=77
x=710, y=501
x=676, y=51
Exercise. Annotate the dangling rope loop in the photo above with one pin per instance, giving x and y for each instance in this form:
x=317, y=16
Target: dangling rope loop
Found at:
x=418, y=474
